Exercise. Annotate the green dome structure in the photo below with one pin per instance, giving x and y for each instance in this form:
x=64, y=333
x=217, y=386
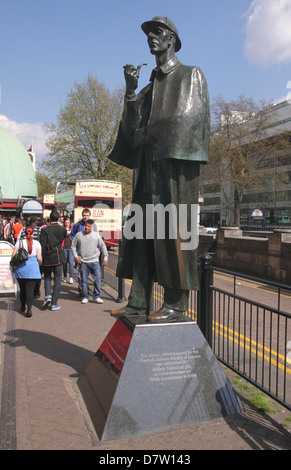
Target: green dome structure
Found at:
x=17, y=175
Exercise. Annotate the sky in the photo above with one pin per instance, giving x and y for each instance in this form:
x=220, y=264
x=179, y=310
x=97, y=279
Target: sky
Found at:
x=242, y=46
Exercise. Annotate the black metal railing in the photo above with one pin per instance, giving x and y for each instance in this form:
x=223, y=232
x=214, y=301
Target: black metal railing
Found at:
x=251, y=337
x=109, y=276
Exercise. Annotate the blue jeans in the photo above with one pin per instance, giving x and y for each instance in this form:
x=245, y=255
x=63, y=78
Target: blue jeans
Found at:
x=80, y=282
x=70, y=260
x=95, y=270
x=57, y=271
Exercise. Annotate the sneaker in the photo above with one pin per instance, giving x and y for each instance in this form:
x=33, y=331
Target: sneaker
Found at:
x=71, y=281
x=47, y=303
x=65, y=279
x=84, y=300
x=55, y=307
x=99, y=301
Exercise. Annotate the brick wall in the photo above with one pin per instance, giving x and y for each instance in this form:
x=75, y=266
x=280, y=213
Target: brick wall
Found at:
x=268, y=258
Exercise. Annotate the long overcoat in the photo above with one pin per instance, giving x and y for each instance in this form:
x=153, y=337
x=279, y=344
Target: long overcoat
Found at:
x=164, y=136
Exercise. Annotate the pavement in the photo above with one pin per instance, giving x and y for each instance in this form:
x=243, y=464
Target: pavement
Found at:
x=41, y=359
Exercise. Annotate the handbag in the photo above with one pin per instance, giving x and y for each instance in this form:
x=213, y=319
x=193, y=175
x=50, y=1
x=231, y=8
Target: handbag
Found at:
x=19, y=257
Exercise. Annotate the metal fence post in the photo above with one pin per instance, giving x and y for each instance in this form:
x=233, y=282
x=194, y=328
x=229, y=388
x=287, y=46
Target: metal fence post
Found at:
x=204, y=311
x=121, y=283
x=101, y=257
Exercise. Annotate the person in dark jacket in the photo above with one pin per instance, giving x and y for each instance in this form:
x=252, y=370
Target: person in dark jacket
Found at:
x=51, y=239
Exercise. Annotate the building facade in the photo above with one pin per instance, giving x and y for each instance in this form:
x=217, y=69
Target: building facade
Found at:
x=17, y=174
x=267, y=207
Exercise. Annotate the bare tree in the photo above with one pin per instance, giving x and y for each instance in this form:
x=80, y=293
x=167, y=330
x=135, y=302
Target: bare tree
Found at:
x=244, y=149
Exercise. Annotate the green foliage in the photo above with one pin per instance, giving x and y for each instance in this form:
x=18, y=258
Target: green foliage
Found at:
x=263, y=402
x=44, y=184
x=86, y=129
x=251, y=393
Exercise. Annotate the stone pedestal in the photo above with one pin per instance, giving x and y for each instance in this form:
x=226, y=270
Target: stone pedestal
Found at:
x=146, y=377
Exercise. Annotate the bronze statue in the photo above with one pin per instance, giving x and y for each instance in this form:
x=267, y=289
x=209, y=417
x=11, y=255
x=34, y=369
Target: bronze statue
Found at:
x=163, y=136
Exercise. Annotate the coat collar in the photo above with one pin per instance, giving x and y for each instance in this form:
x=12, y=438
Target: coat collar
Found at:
x=166, y=68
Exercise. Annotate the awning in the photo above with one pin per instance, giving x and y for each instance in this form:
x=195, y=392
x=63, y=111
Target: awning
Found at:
x=32, y=207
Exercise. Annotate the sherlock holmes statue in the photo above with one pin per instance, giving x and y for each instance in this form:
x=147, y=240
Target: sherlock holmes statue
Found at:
x=163, y=136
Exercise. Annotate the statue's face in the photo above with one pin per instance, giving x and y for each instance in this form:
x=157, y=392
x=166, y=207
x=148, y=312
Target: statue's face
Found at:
x=159, y=39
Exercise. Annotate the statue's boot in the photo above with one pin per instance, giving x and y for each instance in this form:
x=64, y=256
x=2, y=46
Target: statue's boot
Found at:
x=166, y=315
x=128, y=311
x=173, y=309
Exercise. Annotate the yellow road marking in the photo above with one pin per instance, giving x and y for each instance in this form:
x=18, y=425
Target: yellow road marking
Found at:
x=241, y=340
x=250, y=284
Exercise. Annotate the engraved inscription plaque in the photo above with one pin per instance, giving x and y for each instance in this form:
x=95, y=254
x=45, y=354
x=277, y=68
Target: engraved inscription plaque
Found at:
x=168, y=377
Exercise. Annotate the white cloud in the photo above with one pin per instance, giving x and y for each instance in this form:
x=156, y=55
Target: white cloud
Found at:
x=268, y=32
x=28, y=134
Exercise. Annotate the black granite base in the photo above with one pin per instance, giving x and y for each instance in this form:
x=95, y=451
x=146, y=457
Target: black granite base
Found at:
x=148, y=377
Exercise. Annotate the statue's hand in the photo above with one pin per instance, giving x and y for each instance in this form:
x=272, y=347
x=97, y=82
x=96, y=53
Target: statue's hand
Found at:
x=131, y=78
x=131, y=75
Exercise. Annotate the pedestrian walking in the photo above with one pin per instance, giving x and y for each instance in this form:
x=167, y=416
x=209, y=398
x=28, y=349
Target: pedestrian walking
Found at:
x=79, y=227
x=67, y=244
x=28, y=272
x=86, y=248
x=35, y=223
x=51, y=239
x=16, y=228
x=8, y=230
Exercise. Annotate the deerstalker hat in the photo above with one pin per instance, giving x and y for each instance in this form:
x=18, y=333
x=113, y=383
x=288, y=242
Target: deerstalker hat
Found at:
x=166, y=22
